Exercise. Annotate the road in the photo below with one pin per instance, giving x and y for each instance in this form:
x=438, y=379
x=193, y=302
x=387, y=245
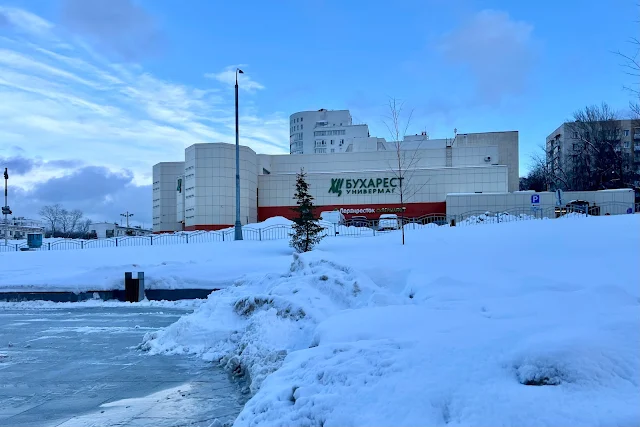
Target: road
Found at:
x=80, y=367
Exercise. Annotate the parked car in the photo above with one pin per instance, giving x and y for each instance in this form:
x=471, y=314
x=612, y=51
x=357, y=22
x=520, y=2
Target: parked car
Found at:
x=359, y=221
x=388, y=222
x=334, y=217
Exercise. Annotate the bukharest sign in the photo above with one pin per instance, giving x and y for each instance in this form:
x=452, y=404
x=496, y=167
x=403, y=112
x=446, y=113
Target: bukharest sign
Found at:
x=364, y=185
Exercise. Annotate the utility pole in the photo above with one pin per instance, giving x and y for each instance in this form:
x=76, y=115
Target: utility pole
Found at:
x=5, y=209
x=127, y=215
x=238, y=225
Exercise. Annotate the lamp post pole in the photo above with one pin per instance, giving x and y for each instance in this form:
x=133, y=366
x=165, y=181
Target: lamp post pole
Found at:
x=127, y=215
x=5, y=209
x=238, y=225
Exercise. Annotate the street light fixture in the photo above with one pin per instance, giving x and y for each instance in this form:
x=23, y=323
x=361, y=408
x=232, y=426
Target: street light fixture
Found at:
x=238, y=225
x=127, y=215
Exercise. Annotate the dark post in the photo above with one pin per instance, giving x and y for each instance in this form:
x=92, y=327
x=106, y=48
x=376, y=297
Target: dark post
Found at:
x=238, y=225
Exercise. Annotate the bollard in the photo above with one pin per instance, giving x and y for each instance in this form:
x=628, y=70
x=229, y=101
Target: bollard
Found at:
x=140, y=286
x=131, y=287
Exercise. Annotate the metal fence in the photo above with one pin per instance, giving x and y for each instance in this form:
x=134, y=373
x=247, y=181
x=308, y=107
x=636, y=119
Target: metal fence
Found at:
x=352, y=228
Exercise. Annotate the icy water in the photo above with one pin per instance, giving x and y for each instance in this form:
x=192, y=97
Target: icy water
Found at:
x=80, y=367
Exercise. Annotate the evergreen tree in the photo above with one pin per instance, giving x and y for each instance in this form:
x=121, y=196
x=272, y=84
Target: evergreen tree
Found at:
x=307, y=231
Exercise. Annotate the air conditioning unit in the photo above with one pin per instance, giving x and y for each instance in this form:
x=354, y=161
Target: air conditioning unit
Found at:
x=487, y=159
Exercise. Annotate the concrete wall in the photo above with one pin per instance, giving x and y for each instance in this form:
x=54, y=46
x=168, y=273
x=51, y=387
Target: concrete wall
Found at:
x=381, y=160
x=508, y=151
x=614, y=202
x=210, y=185
x=165, y=175
x=426, y=185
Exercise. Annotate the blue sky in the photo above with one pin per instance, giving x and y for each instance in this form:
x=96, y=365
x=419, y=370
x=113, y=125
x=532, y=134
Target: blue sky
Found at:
x=95, y=92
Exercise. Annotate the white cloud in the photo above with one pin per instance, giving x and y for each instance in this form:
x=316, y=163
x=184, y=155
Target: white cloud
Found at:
x=61, y=100
x=228, y=77
x=498, y=51
x=26, y=22
x=63, y=104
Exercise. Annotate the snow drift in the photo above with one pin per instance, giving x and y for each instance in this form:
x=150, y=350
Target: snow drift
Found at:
x=522, y=333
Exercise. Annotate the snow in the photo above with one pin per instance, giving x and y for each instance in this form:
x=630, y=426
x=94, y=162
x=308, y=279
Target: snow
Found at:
x=519, y=323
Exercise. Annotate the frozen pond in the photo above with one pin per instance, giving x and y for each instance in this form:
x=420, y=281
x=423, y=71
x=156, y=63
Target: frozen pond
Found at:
x=79, y=367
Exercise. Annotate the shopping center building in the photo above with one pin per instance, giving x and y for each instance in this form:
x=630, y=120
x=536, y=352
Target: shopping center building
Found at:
x=346, y=168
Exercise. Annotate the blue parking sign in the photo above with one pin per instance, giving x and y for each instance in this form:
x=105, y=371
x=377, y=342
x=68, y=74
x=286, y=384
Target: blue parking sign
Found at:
x=535, y=199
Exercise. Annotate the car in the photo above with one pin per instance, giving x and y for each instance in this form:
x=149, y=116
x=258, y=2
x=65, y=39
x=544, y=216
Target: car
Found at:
x=333, y=217
x=359, y=221
x=388, y=222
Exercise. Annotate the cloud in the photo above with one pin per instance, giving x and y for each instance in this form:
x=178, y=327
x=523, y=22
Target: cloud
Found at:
x=100, y=193
x=499, y=52
x=62, y=102
x=20, y=165
x=24, y=21
x=228, y=77
x=84, y=131
x=117, y=26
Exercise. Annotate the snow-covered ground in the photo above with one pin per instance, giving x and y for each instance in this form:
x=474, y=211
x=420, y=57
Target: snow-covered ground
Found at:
x=204, y=263
x=522, y=323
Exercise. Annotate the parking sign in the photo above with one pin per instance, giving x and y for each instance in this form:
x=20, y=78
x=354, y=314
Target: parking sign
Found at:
x=535, y=199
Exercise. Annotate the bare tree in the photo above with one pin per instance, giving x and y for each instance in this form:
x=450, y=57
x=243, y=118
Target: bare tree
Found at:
x=84, y=226
x=631, y=64
x=52, y=214
x=597, y=160
x=65, y=222
x=75, y=217
x=405, y=161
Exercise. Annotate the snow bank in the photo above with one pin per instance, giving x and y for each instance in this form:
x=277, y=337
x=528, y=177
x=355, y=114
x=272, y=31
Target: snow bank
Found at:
x=253, y=325
x=492, y=325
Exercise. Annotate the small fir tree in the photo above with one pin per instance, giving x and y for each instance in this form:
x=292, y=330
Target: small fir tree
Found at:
x=307, y=231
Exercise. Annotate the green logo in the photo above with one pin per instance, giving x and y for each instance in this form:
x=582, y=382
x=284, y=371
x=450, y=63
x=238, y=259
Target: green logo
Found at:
x=336, y=186
x=364, y=185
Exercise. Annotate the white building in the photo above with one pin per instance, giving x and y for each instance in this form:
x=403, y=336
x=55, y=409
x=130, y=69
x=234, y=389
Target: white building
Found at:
x=105, y=230
x=165, y=181
x=361, y=180
x=18, y=227
x=323, y=132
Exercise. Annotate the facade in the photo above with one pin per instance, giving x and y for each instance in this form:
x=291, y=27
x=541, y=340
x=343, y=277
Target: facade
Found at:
x=105, y=230
x=560, y=144
x=612, y=202
x=363, y=180
x=18, y=227
x=323, y=132
x=165, y=181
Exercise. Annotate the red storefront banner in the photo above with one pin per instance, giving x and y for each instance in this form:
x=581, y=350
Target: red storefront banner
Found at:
x=412, y=210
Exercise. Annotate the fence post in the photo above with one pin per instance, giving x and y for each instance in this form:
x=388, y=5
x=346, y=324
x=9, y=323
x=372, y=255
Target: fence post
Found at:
x=81, y=244
x=151, y=240
x=260, y=233
x=187, y=236
x=116, y=242
x=49, y=246
x=222, y=235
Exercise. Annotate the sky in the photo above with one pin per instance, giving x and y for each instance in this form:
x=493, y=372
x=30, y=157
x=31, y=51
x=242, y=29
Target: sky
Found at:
x=95, y=92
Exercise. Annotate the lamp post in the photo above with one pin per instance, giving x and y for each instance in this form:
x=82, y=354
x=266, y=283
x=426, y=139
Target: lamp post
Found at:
x=238, y=225
x=5, y=208
x=127, y=215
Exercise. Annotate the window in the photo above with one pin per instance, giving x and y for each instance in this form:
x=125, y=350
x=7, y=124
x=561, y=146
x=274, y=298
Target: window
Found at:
x=332, y=142
x=300, y=127
x=627, y=144
x=341, y=142
x=333, y=151
x=301, y=118
x=575, y=135
x=575, y=147
x=626, y=132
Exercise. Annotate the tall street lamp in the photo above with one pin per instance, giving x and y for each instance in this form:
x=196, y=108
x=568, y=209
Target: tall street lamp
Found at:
x=238, y=226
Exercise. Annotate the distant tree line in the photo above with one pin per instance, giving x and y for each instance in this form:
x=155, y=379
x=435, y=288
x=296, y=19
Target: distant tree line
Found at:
x=61, y=222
